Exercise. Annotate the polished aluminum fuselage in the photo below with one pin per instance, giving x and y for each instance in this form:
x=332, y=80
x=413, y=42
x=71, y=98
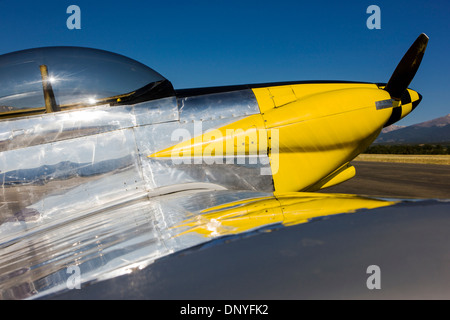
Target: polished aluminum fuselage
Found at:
x=90, y=157
x=78, y=188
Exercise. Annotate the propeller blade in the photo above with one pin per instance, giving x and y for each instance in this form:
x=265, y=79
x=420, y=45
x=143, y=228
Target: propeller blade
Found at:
x=407, y=68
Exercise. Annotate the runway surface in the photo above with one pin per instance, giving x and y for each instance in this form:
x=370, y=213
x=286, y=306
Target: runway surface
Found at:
x=397, y=180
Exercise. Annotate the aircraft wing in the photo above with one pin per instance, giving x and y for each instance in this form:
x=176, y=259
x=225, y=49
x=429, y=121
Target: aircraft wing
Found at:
x=122, y=244
x=114, y=239
x=392, y=252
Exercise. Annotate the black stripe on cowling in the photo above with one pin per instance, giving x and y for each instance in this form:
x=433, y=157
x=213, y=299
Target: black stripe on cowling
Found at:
x=416, y=103
x=395, y=116
x=406, y=97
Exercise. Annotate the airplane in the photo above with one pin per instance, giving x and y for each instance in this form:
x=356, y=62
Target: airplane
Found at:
x=91, y=139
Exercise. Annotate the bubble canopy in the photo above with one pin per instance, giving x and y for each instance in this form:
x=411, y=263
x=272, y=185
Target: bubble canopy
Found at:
x=74, y=77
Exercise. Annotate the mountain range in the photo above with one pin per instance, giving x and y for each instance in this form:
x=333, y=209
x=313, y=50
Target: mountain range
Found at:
x=436, y=131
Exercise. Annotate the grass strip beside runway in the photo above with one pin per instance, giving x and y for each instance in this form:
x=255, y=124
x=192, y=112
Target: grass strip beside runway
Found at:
x=400, y=158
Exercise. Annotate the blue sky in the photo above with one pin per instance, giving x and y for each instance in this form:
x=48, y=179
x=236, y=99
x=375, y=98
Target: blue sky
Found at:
x=196, y=43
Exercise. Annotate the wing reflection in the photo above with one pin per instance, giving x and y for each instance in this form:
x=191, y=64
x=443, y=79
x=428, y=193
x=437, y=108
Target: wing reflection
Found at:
x=110, y=240
x=286, y=209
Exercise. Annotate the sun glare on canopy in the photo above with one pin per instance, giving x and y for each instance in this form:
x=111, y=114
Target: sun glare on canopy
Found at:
x=58, y=78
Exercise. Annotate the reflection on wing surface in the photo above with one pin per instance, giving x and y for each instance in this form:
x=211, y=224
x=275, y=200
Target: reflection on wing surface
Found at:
x=120, y=236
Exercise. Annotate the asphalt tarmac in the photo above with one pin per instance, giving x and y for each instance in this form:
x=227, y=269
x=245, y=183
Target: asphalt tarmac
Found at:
x=397, y=180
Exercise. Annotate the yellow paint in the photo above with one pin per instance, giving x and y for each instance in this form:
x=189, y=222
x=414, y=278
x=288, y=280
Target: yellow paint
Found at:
x=342, y=174
x=309, y=131
x=414, y=95
x=264, y=98
x=320, y=131
x=287, y=209
x=282, y=95
x=407, y=108
x=269, y=98
x=242, y=137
